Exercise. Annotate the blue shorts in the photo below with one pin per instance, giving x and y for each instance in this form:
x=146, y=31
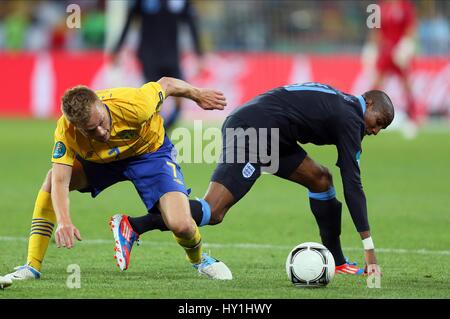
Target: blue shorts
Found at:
x=153, y=174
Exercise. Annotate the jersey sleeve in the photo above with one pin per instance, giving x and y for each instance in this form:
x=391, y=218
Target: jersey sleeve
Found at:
x=150, y=98
x=62, y=152
x=349, y=151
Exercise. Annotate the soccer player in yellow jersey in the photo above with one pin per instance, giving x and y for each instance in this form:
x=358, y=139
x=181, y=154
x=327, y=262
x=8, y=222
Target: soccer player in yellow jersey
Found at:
x=109, y=136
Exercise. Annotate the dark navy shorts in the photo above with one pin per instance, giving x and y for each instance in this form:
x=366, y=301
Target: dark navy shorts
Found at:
x=153, y=174
x=239, y=178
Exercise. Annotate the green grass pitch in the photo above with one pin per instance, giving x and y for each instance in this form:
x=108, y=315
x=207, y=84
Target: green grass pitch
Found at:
x=407, y=185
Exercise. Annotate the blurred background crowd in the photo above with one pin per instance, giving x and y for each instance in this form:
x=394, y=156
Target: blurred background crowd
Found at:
x=263, y=25
x=242, y=47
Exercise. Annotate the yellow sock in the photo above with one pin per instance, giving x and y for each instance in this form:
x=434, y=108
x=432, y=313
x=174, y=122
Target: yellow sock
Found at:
x=42, y=225
x=193, y=246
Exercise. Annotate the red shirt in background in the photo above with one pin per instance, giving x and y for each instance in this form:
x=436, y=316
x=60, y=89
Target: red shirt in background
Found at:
x=396, y=18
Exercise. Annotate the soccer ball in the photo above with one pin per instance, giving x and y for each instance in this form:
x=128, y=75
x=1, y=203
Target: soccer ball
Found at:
x=310, y=265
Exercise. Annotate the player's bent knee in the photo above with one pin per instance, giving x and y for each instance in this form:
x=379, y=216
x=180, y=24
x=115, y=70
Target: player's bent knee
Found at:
x=324, y=180
x=182, y=229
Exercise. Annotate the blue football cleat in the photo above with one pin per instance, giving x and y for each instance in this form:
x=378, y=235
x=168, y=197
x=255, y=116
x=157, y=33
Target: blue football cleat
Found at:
x=351, y=263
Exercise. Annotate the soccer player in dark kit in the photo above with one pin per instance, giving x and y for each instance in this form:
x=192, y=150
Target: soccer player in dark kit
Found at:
x=159, y=50
x=282, y=117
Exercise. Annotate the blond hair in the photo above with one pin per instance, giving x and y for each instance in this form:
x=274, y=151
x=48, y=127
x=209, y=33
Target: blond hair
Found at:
x=77, y=102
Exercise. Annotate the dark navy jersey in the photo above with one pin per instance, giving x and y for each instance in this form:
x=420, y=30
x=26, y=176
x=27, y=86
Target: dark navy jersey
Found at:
x=319, y=114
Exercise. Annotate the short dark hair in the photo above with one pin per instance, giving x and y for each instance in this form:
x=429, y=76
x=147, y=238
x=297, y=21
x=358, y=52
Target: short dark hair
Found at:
x=382, y=104
x=76, y=104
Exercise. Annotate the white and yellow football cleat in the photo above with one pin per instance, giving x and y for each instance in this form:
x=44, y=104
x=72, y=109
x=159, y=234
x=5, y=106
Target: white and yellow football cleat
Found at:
x=25, y=272
x=213, y=268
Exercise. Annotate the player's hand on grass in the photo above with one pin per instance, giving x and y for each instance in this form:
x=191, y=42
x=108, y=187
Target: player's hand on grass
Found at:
x=65, y=235
x=372, y=266
x=209, y=99
x=373, y=269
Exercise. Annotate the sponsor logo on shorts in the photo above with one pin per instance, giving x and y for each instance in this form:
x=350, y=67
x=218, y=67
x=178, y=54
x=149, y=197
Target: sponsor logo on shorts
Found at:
x=248, y=170
x=59, y=150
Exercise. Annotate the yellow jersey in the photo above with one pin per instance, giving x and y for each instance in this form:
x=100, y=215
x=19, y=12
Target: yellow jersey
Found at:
x=136, y=127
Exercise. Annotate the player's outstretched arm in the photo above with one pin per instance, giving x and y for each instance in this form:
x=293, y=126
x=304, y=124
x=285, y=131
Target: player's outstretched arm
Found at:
x=66, y=231
x=207, y=99
x=372, y=266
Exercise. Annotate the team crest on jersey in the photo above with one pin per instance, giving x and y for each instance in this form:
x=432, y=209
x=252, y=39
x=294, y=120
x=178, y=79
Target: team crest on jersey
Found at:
x=248, y=170
x=127, y=135
x=59, y=150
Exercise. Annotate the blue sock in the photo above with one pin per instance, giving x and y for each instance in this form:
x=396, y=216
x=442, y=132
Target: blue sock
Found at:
x=206, y=212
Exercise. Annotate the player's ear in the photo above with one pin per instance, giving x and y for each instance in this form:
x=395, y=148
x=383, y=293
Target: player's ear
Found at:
x=369, y=104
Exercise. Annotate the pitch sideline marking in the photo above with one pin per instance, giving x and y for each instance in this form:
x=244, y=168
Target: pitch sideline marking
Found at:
x=250, y=246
